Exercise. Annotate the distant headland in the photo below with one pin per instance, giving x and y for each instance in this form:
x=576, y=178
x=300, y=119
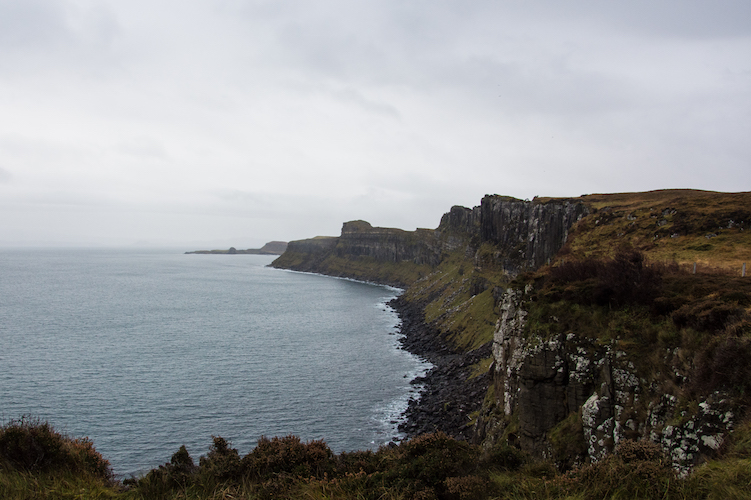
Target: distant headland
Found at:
x=270, y=248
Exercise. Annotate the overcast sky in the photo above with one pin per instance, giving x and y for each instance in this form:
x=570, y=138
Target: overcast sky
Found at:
x=210, y=123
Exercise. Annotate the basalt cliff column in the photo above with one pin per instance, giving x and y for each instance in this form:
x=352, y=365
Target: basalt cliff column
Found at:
x=360, y=239
x=526, y=234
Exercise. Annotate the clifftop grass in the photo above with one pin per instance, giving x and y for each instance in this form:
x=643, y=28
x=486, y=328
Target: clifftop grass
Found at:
x=681, y=226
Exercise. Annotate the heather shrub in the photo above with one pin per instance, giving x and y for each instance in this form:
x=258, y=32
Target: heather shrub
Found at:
x=288, y=455
x=637, y=469
x=426, y=461
x=502, y=456
x=627, y=280
x=222, y=462
x=622, y=280
x=90, y=460
x=707, y=315
x=467, y=488
x=723, y=363
x=630, y=451
x=541, y=469
x=33, y=445
x=356, y=462
x=178, y=473
x=576, y=270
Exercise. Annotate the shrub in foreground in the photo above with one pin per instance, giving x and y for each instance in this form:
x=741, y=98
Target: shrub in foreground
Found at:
x=31, y=445
x=637, y=469
x=288, y=455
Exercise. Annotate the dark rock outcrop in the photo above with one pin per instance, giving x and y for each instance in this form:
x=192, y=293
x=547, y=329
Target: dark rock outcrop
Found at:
x=526, y=234
x=306, y=255
x=540, y=381
x=360, y=239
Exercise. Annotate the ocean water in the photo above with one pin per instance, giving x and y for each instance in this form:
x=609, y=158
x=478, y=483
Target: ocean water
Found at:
x=144, y=351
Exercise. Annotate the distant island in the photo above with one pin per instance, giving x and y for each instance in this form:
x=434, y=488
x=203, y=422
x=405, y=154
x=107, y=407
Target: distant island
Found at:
x=270, y=248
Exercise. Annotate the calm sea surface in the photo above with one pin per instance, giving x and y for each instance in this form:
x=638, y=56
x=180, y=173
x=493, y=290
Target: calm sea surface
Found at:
x=143, y=351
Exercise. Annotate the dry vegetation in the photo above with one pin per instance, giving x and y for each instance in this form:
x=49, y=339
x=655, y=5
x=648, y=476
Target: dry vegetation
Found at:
x=432, y=466
x=669, y=226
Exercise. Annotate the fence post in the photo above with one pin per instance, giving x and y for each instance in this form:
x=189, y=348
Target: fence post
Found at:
x=694, y=267
x=743, y=271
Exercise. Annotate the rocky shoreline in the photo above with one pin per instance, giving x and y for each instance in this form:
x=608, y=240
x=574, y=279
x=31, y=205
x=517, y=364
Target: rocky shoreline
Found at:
x=450, y=394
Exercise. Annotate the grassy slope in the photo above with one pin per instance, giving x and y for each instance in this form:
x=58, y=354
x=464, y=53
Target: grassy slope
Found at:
x=669, y=225
x=458, y=300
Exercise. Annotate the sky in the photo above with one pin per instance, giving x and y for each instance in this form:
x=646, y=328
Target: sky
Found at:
x=217, y=123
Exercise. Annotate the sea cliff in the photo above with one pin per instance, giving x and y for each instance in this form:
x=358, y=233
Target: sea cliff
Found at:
x=564, y=327
x=523, y=235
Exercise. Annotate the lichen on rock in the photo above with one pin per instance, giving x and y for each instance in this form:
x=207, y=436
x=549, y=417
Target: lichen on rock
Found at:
x=540, y=382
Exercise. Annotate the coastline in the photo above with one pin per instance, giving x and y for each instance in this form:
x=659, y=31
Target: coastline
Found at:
x=450, y=395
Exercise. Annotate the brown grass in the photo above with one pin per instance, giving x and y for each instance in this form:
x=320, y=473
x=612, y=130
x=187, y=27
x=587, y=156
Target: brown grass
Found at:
x=676, y=226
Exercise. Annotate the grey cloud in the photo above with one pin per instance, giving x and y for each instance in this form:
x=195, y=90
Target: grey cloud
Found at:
x=5, y=175
x=144, y=147
x=381, y=43
x=43, y=35
x=679, y=18
x=517, y=87
x=32, y=23
x=353, y=96
x=668, y=18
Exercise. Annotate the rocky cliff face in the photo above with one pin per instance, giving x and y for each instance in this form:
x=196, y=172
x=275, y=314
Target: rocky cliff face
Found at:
x=583, y=363
x=593, y=392
x=360, y=239
x=306, y=255
x=524, y=234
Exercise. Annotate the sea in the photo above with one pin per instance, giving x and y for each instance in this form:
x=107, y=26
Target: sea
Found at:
x=143, y=351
